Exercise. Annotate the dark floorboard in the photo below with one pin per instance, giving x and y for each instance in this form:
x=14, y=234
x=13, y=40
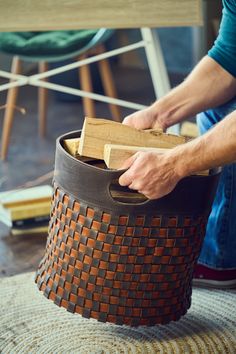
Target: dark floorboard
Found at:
x=30, y=157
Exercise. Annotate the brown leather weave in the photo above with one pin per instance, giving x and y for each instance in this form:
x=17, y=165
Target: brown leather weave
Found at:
x=125, y=269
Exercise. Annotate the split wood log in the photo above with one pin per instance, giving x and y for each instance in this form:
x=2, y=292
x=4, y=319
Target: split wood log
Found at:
x=98, y=132
x=72, y=145
x=115, y=155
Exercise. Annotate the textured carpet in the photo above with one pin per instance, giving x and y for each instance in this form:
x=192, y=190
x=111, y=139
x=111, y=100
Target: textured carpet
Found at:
x=29, y=323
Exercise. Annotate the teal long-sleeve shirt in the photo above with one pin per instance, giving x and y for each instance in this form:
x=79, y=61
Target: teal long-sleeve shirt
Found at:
x=224, y=48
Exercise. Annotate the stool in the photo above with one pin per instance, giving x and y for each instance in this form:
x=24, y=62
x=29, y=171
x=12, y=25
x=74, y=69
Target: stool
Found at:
x=55, y=46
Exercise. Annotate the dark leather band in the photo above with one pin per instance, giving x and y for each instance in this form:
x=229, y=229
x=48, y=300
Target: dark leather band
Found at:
x=192, y=194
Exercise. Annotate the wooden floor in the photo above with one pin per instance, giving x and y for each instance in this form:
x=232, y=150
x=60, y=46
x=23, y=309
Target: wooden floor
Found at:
x=30, y=157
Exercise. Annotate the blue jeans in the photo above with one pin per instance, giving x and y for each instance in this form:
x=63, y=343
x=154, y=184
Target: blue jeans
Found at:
x=219, y=247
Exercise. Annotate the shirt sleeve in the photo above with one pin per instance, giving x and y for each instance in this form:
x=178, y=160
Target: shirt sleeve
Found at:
x=224, y=48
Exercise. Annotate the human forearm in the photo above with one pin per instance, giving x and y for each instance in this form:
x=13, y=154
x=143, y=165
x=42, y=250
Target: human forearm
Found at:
x=215, y=148
x=208, y=85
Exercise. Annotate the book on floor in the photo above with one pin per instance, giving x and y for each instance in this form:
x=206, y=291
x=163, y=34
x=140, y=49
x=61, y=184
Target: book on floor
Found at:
x=28, y=231
x=27, y=208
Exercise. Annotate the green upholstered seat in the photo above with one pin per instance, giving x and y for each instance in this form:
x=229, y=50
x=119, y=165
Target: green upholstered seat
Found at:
x=51, y=45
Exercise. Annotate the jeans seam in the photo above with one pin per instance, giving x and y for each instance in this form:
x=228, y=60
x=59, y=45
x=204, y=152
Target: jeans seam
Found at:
x=231, y=182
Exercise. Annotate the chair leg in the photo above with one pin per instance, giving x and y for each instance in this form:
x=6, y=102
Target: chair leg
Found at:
x=42, y=102
x=86, y=85
x=108, y=84
x=9, y=112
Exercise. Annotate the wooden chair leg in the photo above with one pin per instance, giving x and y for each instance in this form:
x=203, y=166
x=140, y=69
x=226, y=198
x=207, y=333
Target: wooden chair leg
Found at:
x=42, y=102
x=86, y=85
x=108, y=84
x=9, y=112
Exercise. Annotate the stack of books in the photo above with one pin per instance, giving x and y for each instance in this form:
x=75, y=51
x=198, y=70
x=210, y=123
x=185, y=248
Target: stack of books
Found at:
x=26, y=211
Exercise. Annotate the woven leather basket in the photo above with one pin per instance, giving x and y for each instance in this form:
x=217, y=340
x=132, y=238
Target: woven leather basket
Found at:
x=118, y=262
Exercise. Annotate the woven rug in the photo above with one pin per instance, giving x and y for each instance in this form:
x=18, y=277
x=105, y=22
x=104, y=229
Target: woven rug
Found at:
x=29, y=323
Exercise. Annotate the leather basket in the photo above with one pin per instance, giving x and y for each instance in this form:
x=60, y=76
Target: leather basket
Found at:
x=117, y=262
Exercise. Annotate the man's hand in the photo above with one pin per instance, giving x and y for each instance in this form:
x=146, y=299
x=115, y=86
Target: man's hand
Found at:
x=144, y=119
x=150, y=173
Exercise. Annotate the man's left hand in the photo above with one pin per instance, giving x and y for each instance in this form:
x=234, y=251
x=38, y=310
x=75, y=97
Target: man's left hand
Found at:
x=150, y=173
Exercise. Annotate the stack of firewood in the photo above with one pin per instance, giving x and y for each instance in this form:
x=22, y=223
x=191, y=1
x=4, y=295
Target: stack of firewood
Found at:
x=111, y=142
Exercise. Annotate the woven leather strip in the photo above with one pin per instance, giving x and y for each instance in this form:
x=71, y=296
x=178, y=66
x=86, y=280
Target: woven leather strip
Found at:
x=132, y=269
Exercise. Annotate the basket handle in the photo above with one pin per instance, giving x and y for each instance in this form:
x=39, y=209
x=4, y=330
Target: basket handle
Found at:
x=114, y=177
x=89, y=183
